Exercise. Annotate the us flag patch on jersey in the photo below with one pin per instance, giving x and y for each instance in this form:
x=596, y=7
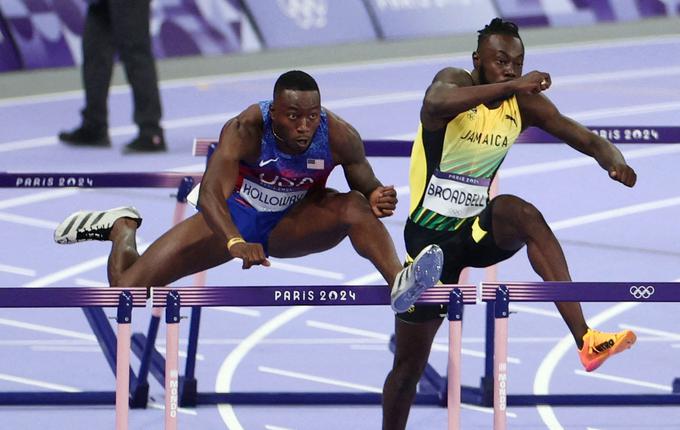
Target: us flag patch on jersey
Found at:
x=315, y=164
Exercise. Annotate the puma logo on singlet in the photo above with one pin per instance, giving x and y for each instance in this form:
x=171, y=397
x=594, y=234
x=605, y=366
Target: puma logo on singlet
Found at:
x=271, y=160
x=511, y=118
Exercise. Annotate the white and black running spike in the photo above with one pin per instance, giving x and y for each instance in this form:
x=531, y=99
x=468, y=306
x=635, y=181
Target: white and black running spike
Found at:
x=92, y=225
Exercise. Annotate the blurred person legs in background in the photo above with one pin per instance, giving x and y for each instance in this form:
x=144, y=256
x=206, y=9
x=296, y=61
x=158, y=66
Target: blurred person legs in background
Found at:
x=118, y=27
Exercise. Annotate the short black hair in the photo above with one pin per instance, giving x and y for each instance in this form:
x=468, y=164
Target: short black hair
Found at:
x=295, y=80
x=497, y=26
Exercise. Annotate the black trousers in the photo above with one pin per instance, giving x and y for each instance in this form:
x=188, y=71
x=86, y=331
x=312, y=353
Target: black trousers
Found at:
x=120, y=27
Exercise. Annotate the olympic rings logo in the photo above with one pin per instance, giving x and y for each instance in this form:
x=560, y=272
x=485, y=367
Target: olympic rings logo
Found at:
x=306, y=13
x=642, y=291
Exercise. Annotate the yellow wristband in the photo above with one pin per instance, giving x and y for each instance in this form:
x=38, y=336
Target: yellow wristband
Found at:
x=233, y=241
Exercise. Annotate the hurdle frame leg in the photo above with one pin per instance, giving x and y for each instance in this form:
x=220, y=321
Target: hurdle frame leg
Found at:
x=172, y=318
x=500, y=360
x=188, y=385
x=123, y=318
x=455, y=317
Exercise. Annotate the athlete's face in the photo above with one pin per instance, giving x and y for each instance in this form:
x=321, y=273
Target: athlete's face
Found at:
x=295, y=118
x=499, y=58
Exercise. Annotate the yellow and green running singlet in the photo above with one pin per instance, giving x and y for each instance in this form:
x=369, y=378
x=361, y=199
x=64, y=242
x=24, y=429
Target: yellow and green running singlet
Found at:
x=451, y=169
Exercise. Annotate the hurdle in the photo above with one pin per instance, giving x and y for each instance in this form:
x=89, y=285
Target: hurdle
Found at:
x=500, y=294
x=315, y=295
x=80, y=297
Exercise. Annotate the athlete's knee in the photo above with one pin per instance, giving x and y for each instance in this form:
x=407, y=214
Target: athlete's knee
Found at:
x=406, y=373
x=519, y=210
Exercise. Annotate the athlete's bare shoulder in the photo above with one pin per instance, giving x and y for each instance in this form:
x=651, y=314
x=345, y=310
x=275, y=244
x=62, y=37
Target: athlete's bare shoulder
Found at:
x=251, y=117
x=243, y=133
x=344, y=140
x=453, y=76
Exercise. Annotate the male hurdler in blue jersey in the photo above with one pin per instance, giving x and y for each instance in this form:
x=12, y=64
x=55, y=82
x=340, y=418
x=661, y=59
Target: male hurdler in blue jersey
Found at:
x=264, y=193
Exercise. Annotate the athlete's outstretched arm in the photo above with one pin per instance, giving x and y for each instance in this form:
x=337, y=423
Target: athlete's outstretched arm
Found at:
x=239, y=140
x=453, y=91
x=348, y=150
x=539, y=111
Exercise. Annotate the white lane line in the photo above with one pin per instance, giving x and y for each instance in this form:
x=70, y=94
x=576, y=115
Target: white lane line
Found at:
x=238, y=310
x=319, y=379
x=37, y=197
x=294, y=341
x=47, y=329
x=79, y=349
x=123, y=130
x=532, y=339
x=486, y=410
x=272, y=427
x=581, y=161
x=667, y=335
x=45, y=342
x=625, y=111
x=437, y=347
x=68, y=272
x=17, y=270
x=29, y=221
x=287, y=267
x=380, y=347
x=162, y=349
x=623, y=380
x=161, y=407
x=347, y=330
x=28, y=143
x=82, y=282
x=74, y=270
x=386, y=338
x=614, y=213
x=526, y=309
x=36, y=383
x=617, y=75
x=367, y=280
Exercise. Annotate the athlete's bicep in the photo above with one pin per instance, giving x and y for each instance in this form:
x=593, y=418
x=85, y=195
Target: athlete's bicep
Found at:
x=440, y=103
x=539, y=111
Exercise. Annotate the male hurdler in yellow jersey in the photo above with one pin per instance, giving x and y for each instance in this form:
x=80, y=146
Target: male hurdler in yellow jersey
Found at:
x=468, y=123
x=450, y=176
x=452, y=169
